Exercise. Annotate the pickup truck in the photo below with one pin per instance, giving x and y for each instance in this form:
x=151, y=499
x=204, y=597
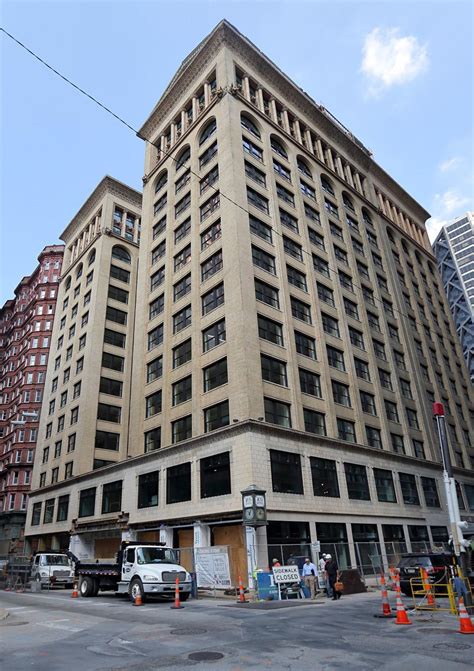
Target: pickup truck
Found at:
x=52, y=568
x=142, y=568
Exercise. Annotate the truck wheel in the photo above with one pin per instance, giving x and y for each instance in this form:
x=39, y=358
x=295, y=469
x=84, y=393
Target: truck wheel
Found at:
x=96, y=587
x=38, y=580
x=136, y=589
x=86, y=588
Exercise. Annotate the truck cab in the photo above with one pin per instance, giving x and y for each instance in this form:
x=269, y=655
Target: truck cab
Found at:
x=52, y=568
x=151, y=569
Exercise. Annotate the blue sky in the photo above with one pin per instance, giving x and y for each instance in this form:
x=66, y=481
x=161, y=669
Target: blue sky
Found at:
x=398, y=74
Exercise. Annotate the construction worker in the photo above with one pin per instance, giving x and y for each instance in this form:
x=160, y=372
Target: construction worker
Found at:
x=275, y=563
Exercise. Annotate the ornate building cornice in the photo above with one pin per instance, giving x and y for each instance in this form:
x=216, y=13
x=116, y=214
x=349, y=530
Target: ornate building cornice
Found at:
x=108, y=185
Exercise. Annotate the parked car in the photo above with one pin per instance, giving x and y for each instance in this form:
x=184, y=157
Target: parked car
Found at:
x=437, y=566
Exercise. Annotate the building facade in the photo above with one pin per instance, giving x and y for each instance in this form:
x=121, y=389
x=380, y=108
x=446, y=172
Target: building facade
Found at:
x=26, y=324
x=290, y=331
x=454, y=250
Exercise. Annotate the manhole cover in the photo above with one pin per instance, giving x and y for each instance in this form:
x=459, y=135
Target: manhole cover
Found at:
x=452, y=646
x=189, y=630
x=206, y=656
x=437, y=630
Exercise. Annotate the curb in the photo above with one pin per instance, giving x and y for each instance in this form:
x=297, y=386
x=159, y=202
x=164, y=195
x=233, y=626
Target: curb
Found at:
x=3, y=614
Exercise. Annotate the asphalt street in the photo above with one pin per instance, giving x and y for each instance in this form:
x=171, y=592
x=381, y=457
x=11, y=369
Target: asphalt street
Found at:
x=50, y=631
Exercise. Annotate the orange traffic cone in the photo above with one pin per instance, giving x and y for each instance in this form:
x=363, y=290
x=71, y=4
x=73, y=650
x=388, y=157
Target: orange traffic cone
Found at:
x=430, y=601
x=75, y=593
x=386, y=611
x=465, y=622
x=177, y=601
x=138, y=600
x=242, y=598
x=402, y=617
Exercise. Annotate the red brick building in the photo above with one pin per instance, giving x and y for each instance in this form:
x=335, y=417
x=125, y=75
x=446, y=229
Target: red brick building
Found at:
x=26, y=322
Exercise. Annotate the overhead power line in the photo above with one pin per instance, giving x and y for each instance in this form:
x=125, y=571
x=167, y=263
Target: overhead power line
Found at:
x=166, y=154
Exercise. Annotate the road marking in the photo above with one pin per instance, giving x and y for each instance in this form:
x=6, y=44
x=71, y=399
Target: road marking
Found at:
x=53, y=625
x=18, y=608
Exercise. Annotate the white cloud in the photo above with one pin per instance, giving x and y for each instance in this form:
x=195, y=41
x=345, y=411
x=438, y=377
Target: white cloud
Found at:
x=450, y=164
x=390, y=59
x=451, y=202
x=434, y=225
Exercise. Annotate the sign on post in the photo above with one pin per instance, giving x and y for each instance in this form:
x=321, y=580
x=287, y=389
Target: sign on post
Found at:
x=283, y=574
x=212, y=567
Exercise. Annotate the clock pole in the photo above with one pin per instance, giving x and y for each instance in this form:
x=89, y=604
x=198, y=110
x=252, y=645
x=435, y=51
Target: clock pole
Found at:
x=254, y=514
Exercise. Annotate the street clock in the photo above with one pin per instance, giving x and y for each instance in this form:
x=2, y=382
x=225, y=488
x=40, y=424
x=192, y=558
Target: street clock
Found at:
x=254, y=507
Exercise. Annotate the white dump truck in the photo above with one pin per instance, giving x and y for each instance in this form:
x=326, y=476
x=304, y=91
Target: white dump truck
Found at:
x=52, y=569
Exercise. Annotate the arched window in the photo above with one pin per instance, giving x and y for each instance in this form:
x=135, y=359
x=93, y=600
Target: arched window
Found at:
x=68, y=283
x=183, y=157
x=347, y=200
x=209, y=130
x=250, y=125
x=431, y=268
x=79, y=271
x=366, y=216
x=303, y=167
x=161, y=180
x=390, y=235
x=405, y=248
x=327, y=185
x=278, y=147
x=121, y=254
x=91, y=257
x=418, y=258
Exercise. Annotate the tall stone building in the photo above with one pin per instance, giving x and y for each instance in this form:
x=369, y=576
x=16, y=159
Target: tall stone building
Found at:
x=291, y=331
x=26, y=322
x=454, y=250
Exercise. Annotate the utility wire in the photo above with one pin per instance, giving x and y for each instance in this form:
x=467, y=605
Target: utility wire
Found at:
x=173, y=158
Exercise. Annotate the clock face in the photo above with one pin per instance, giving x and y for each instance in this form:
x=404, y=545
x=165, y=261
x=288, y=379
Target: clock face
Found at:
x=248, y=513
x=260, y=514
x=260, y=501
x=248, y=501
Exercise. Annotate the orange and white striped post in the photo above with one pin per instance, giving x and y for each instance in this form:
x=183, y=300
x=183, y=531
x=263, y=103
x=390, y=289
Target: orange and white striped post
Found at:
x=386, y=610
x=430, y=600
x=402, y=617
x=177, y=600
x=242, y=598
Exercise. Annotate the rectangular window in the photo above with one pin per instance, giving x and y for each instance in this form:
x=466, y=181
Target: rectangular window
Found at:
x=330, y=325
x=307, y=190
x=367, y=402
x=182, y=231
x=210, y=206
x=106, y=440
x=112, y=497
x=260, y=229
x=153, y=439
x=391, y=411
x=362, y=369
x=325, y=294
x=182, y=319
x=270, y=330
x=36, y=514
x=157, y=279
x=346, y=430
x=357, y=483
x=285, y=195
x=148, y=489
x=397, y=443
x=252, y=149
x=310, y=383
x=418, y=449
x=178, y=483
x=114, y=338
x=305, y=345
x=300, y=310
x=214, y=335
x=212, y=299
x=215, y=475
x=412, y=418
x=211, y=234
x=183, y=181
x=281, y=170
x=356, y=338
x=289, y=220
x=340, y=393
x=314, y=422
x=156, y=307
x=215, y=375
x=182, y=288
x=266, y=294
x=155, y=337
x=286, y=472
x=87, y=502
x=182, y=390
x=335, y=358
x=379, y=350
x=274, y=370
x=63, y=507
x=48, y=511
x=208, y=155
x=182, y=258
x=374, y=437
x=158, y=252
x=182, y=205
x=109, y=413
x=114, y=315
x=181, y=429
x=263, y=260
x=324, y=476
x=430, y=492
x=254, y=173
x=182, y=353
x=296, y=278
x=208, y=180
x=117, y=294
x=292, y=248
x=211, y=266
x=154, y=370
x=409, y=489
x=316, y=239
x=384, y=485
x=153, y=404
x=216, y=416
x=277, y=412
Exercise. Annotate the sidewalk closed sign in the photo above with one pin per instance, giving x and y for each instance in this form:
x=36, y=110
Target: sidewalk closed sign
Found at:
x=282, y=574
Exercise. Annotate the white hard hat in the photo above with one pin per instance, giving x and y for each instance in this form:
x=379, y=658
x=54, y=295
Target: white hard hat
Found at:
x=328, y=556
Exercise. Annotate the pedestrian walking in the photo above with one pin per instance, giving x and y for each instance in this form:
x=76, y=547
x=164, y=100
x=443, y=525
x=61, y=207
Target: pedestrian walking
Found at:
x=310, y=574
x=332, y=571
x=322, y=577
